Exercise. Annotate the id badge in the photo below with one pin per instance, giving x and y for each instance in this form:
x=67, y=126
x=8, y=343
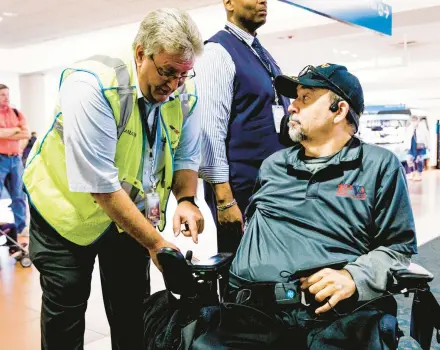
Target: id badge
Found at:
x=278, y=114
x=152, y=208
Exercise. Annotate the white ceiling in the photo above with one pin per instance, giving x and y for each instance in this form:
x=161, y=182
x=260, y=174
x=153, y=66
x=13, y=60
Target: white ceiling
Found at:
x=42, y=20
x=357, y=46
x=389, y=72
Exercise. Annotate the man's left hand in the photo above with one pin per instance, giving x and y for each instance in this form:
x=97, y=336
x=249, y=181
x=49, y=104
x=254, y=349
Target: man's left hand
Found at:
x=188, y=213
x=329, y=285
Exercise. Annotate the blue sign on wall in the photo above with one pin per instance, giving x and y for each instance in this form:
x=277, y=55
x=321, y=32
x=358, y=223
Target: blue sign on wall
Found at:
x=371, y=14
x=373, y=109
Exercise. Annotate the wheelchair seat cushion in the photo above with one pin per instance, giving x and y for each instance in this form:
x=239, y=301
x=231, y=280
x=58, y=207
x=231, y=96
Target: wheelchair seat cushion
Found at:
x=164, y=318
x=158, y=321
x=241, y=327
x=235, y=326
x=185, y=324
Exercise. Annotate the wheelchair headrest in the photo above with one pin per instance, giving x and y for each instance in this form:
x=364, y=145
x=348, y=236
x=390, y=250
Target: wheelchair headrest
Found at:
x=176, y=272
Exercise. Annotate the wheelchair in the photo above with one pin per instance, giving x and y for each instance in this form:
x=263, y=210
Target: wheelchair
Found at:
x=196, y=284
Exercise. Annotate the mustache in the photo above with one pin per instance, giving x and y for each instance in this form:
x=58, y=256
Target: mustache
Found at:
x=294, y=119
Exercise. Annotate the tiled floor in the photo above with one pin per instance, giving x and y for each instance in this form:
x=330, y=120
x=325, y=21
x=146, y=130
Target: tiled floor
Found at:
x=20, y=295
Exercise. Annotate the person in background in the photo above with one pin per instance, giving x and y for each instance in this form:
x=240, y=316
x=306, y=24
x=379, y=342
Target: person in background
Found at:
x=13, y=129
x=11, y=230
x=28, y=147
x=417, y=141
x=240, y=115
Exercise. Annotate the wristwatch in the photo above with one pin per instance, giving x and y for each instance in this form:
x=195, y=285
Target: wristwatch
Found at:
x=187, y=199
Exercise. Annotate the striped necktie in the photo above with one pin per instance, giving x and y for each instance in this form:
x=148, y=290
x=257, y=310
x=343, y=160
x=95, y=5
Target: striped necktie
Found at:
x=261, y=53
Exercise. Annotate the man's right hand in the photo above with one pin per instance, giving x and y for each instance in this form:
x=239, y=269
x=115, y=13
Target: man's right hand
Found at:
x=158, y=246
x=231, y=218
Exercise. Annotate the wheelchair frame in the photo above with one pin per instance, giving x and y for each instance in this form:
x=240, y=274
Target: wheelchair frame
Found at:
x=194, y=280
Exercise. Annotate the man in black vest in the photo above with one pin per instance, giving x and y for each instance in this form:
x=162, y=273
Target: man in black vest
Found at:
x=241, y=113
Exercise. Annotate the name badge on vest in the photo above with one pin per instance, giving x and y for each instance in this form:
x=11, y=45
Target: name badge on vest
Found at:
x=152, y=208
x=278, y=114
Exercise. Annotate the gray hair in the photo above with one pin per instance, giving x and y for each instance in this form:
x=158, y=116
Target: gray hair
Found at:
x=171, y=30
x=350, y=119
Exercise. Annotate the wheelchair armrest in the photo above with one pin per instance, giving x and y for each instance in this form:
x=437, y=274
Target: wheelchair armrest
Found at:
x=414, y=274
x=216, y=263
x=176, y=272
x=181, y=275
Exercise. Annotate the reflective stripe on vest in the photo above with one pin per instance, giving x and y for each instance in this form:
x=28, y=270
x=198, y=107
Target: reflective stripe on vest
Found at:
x=123, y=78
x=126, y=100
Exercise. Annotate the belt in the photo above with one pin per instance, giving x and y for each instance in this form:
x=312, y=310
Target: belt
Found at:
x=9, y=155
x=270, y=297
x=279, y=293
x=261, y=293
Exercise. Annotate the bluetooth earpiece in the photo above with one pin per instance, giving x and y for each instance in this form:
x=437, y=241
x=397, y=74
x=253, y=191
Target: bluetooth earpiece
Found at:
x=334, y=106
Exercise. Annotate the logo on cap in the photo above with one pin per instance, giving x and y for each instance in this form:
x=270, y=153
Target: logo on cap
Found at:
x=325, y=65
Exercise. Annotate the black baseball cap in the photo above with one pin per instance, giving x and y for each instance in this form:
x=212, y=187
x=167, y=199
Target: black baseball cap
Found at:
x=329, y=76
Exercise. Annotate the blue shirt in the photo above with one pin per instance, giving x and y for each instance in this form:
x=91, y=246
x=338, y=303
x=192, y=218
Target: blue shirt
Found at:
x=90, y=137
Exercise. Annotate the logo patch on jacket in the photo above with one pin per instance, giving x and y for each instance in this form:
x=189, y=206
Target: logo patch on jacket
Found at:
x=129, y=132
x=177, y=132
x=351, y=191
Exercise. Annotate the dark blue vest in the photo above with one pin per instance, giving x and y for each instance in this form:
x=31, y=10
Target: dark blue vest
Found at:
x=251, y=135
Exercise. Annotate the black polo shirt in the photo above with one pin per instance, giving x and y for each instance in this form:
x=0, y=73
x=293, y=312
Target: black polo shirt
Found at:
x=359, y=202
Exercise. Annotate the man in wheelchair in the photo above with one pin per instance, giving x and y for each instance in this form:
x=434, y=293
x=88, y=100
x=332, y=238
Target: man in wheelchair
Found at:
x=329, y=224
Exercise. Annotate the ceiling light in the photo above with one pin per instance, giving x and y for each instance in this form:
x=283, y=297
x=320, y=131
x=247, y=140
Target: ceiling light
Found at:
x=354, y=55
x=335, y=51
x=1, y=19
x=10, y=14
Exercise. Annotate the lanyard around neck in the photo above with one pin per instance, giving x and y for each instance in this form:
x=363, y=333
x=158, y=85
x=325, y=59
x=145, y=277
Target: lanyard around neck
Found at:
x=151, y=133
x=268, y=69
x=234, y=33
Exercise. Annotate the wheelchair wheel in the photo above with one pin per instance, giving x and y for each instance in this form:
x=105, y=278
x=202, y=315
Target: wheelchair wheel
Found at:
x=25, y=262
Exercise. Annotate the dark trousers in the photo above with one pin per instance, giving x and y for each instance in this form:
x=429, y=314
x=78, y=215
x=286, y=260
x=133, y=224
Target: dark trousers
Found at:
x=239, y=327
x=65, y=276
x=228, y=238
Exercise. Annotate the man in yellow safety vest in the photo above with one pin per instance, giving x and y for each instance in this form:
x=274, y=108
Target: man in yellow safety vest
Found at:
x=125, y=134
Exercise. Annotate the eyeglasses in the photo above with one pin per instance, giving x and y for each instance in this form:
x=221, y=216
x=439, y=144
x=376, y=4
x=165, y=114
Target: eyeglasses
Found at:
x=312, y=70
x=170, y=76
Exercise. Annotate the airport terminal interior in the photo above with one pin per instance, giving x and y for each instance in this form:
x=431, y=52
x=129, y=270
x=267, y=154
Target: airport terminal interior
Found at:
x=399, y=73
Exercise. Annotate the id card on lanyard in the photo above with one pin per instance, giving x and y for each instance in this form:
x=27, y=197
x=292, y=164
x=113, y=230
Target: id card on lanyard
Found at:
x=277, y=107
x=278, y=114
x=152, y=198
